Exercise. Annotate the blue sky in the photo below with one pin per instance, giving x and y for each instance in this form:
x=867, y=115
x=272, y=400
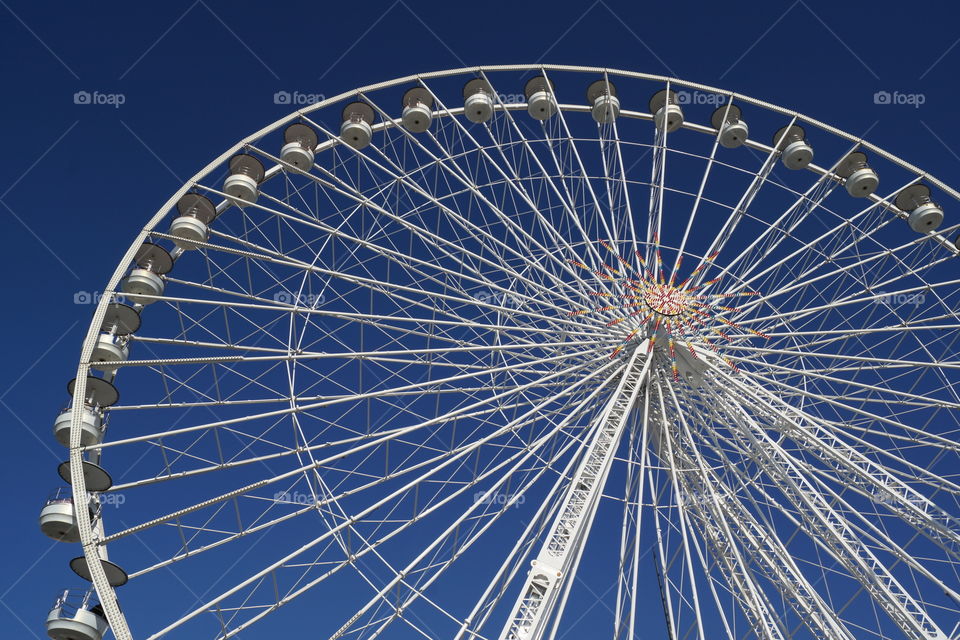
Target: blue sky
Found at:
x=179, y=82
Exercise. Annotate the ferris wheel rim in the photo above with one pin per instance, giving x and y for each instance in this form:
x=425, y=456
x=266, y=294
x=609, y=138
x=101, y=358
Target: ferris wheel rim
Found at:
x=97, y=572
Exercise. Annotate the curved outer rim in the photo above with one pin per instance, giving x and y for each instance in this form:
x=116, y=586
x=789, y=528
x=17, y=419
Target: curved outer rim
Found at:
x=89, y=536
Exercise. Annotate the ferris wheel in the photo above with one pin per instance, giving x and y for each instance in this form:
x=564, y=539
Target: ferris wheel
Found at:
x=524, y=352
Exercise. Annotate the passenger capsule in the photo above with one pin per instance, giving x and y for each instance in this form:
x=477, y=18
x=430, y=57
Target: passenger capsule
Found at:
x=796, y=152
x=732, y=131
x=478, y=100
x=541, y=103
x=603, y=101
x=356, y=129
x=242, y=186
x=667, y=114
x=924, y=214
x=859, y=179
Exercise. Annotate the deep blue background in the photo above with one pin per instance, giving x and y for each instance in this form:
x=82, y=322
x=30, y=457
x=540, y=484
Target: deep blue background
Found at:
x=78, y=180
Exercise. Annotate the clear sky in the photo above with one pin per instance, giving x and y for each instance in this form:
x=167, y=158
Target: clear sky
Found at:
x=177, y=83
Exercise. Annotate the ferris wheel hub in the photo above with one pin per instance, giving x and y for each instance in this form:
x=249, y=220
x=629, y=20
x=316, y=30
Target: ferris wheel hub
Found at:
x=666, y=300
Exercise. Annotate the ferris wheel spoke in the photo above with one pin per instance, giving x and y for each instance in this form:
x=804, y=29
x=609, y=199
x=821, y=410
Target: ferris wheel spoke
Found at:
x=846, y=301
x=537, y=600
x=737, y=213
x=394, y=290
x=367, y=443
x=415, y=265
x=353, y=398
x=379, y=320
x=695, y=207
x=783, y=227
x=670, y=456
x=860, y=218
x=824, y=524
x=868, y=532
x=706, y=491
x=437, y=240
x=448, y=460
x=856, y=470
x=475, y=232
x=511, y=180
x=615, y=179
x=566, y=203
x=873, y=417
x=801, y=281
x=417, y=592
x=578, y=169
x=385, y=355
x=897, y=396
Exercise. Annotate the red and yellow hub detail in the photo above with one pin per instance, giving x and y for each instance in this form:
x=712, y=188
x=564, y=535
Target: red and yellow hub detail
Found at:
x=656, y=306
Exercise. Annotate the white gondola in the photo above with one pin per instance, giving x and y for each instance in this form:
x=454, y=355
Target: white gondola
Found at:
x=108, y=352
x=732, y=131
x=924, y=214
x=242, y=186
x=76, y=616
x=145, y=284
x=541, y=103
x=859, y=179
x=604, y=104
x=417, y=110
x=299, y=140
x=357, y=127
x=192, y=225
x=58, y=520
x=91, y=426
x=478, y=100
x=796, y=152
x=667, y=114
x=112, y=346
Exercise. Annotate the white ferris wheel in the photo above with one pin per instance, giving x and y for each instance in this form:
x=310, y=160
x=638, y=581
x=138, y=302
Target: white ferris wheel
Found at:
x=525, y=352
